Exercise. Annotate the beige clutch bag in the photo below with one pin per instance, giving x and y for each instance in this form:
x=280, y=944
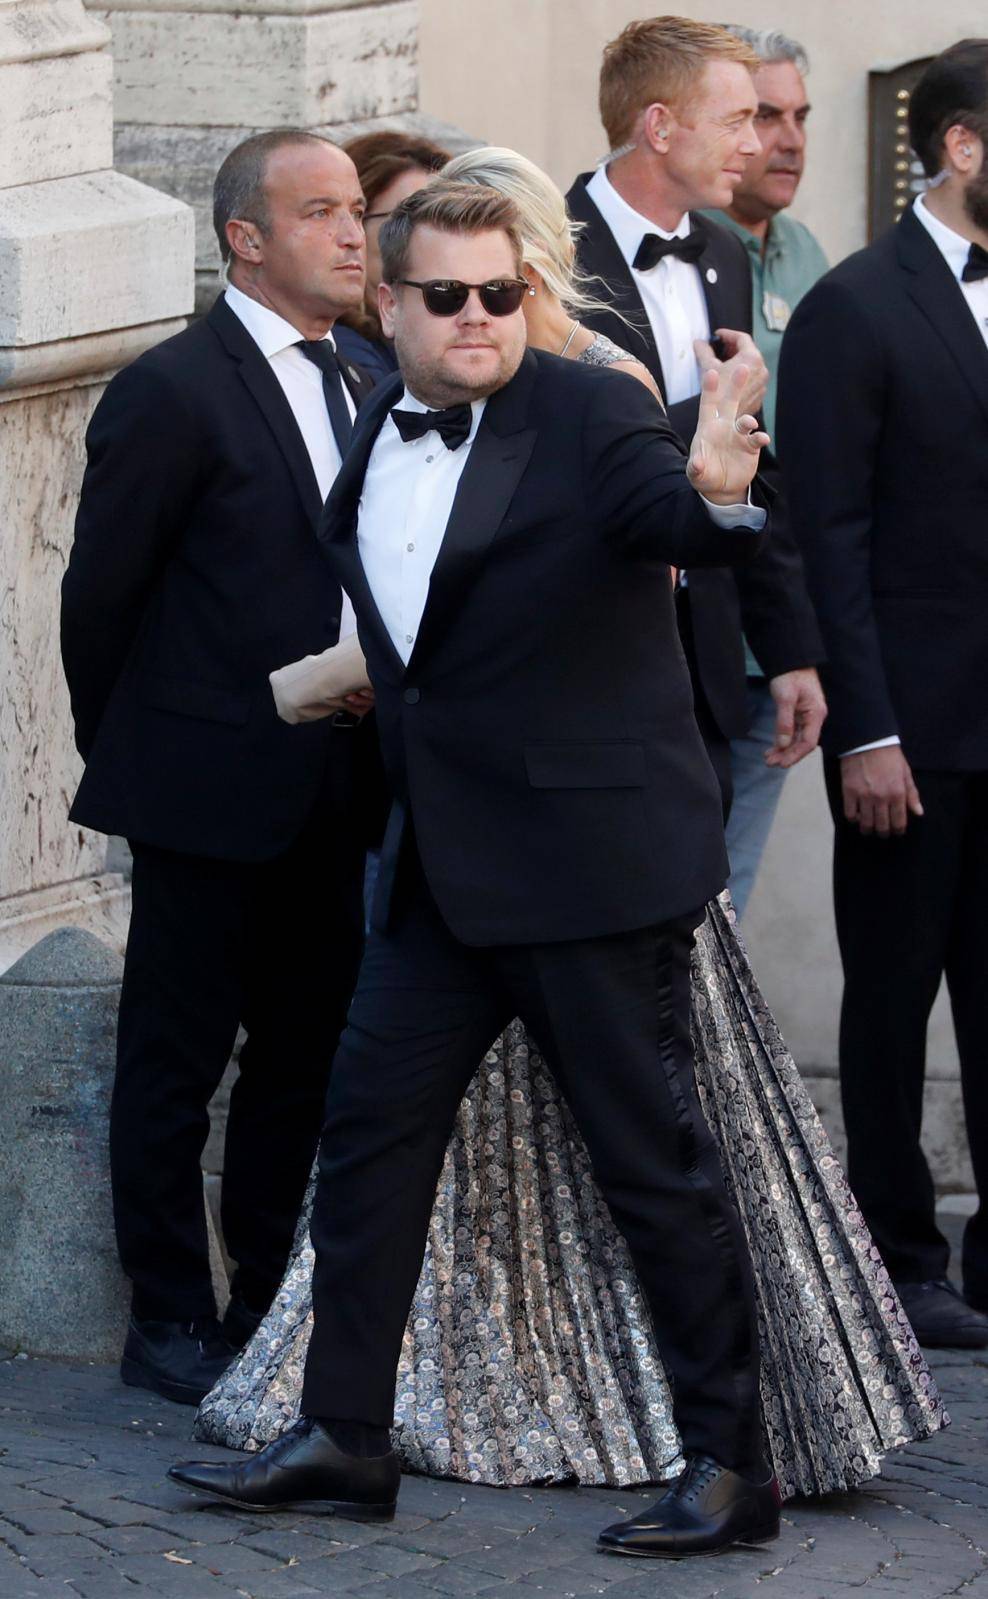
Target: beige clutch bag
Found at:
x=312, y=688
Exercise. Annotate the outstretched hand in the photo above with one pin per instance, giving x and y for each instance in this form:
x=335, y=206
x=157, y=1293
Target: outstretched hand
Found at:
x=726, y=447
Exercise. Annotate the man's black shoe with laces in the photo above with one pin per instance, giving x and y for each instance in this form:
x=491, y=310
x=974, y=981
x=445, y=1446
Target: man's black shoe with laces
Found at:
x=704, y=1512
x=940, y=1317
x=181, y=1360
x=302, y=1470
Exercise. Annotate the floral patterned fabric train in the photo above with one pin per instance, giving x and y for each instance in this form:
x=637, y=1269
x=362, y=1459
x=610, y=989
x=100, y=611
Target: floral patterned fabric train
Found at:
x=529, y=1356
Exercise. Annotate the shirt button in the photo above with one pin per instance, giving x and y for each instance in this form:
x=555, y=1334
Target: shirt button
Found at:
x=409, y=548
x=411, y=696
x=430, y=458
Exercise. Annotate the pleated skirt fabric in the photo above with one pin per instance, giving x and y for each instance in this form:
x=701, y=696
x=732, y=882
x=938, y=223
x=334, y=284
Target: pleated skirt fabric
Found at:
x=529, y=1355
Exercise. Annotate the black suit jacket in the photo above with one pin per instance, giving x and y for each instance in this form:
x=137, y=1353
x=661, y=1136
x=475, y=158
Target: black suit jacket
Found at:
x=767, y=598
x=883, y=390
x=195, y=571
x=542, y=736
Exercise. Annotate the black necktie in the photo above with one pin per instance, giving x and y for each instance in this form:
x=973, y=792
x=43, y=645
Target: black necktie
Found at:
x=453, y=425
x=653, y=247
x=321, y=353
x=977, y=265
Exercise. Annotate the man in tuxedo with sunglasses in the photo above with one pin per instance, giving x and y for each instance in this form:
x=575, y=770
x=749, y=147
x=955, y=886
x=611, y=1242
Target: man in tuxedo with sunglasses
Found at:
x=678, y=103
x=505, y=523
x=195, y=571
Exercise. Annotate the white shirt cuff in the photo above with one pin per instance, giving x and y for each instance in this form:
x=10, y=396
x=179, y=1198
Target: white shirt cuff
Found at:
x=879, y=744
x=747, y=516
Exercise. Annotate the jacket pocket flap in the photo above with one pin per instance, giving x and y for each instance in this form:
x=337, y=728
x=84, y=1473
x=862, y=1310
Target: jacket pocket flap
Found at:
x=202, y=700
x=617, y=764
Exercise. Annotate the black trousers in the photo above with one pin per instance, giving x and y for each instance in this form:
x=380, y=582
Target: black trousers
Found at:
x=716, y=743
x=612, y=1017
x=909, y=911
x=213, y=944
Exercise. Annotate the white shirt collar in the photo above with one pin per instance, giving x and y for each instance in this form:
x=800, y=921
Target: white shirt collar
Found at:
x=270, y=332
x=954, y=248
x=410, y=402
x=626, y=224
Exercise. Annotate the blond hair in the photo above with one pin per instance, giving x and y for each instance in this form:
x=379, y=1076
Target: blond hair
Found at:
x=451, y=208
x=660, y=59
x=548, y=235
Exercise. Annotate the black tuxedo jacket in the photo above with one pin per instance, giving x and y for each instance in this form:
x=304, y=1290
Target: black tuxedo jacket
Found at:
x=767, y=598
x=195, y=571
x=541, y=737
x=883, y=391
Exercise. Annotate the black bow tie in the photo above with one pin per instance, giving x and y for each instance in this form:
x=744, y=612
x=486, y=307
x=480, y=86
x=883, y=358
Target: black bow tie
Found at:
x=977, y=265
x=653, y=248
x=453, y=425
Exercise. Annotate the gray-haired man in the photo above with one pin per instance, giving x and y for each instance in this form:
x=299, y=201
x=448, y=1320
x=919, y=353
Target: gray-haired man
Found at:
x=786, y=261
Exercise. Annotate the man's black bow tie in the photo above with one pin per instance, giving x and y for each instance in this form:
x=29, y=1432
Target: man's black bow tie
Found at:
x=453, y=425
x=653, y=247
x=977, y=265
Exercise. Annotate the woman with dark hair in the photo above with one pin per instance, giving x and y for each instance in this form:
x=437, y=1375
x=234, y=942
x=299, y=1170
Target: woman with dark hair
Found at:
x=391, y=165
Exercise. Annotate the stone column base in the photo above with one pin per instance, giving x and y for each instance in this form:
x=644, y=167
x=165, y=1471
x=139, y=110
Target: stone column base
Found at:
x=100, y=905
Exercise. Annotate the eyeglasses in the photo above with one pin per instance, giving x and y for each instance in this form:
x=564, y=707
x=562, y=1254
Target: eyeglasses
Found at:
x=447, y=296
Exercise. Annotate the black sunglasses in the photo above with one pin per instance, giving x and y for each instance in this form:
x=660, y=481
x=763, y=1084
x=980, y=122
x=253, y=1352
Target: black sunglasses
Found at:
x=447, y=296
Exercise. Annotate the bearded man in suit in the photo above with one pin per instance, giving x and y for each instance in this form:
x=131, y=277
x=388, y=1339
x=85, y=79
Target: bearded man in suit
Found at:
x=678, y=104
x=883, y=408
x=195, y=571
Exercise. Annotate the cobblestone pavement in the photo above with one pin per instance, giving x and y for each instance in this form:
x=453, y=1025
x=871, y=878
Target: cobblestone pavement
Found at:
x=85, y=1511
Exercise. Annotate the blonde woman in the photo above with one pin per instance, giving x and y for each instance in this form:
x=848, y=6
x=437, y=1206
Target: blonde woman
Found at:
x=528, y=1355
x=556, y=294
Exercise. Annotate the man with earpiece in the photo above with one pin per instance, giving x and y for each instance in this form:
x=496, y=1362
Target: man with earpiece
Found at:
x=195, y=571
x=678, y=104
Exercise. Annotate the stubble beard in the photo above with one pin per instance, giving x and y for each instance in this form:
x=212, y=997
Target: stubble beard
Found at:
x=431, y=383
x=976, y=199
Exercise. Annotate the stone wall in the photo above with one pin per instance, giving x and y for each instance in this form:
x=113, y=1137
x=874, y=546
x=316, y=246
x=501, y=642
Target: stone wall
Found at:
x=94, y=268
x=193, y=80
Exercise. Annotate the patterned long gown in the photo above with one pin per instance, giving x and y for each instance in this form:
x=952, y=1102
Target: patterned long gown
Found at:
x=529, y=1355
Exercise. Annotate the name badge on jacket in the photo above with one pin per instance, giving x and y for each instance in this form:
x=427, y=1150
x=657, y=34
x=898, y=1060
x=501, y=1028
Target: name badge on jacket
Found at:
x=776, y=312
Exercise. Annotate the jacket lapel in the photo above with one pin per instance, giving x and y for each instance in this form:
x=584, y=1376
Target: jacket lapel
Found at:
x=498, y=457
x=599, y=257
x=715, y=269
x=270, y=398
x=934, y=289
x=337, y=531
x=360, y=383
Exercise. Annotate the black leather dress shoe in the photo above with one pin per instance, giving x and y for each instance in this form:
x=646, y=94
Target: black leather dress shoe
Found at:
x=240, y=1323
x=301, y=1470
x=940, y=1318
x=180, y=1360
x=705, y=1511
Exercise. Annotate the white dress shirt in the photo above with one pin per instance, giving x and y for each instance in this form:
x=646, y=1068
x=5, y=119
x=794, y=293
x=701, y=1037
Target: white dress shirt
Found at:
x=671, y=291
x=301, y=381
x=955, y=250
x=405, y=506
